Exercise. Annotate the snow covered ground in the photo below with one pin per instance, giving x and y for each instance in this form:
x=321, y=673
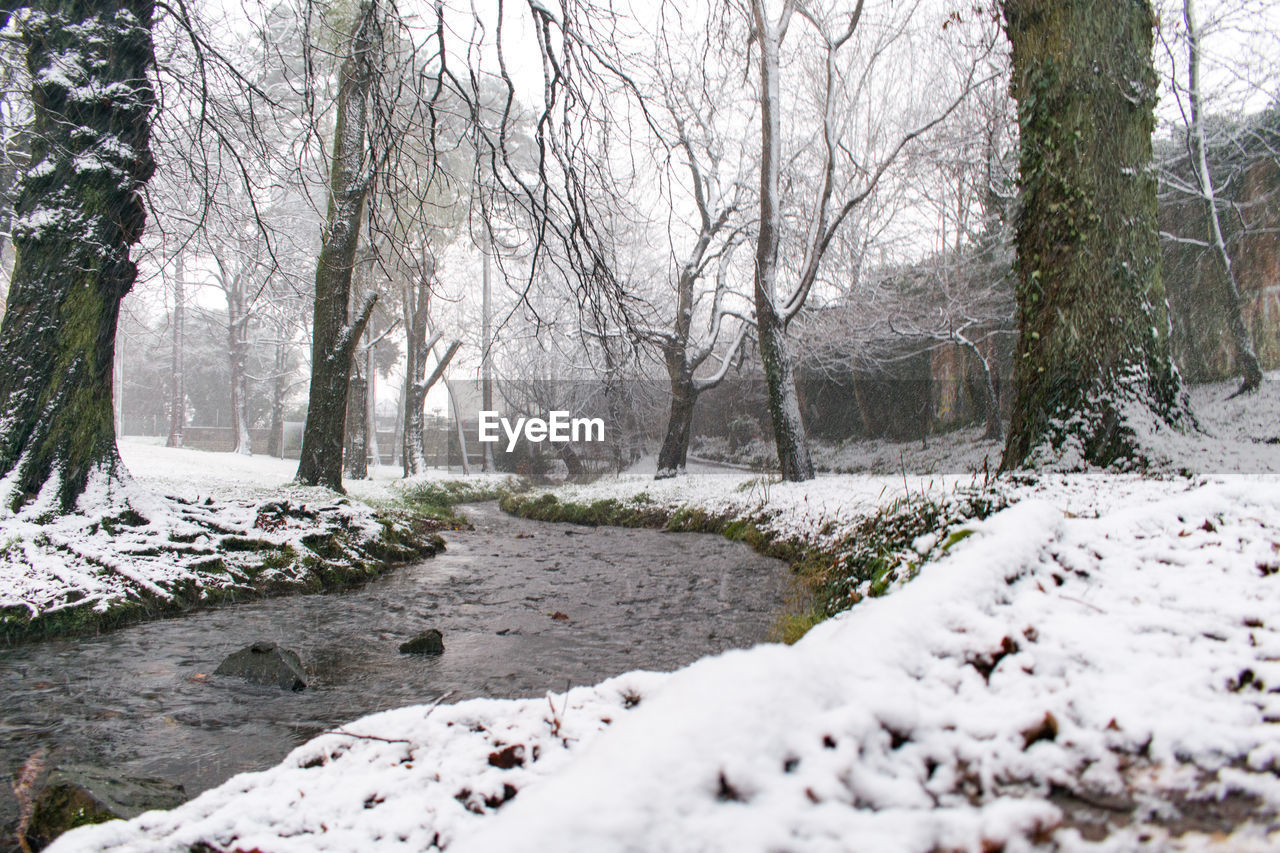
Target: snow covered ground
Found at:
x=186, y=504
x=1127, y=658
x=1237, y=433
x=962, y=450
x=189, y=473
x=1096, y=667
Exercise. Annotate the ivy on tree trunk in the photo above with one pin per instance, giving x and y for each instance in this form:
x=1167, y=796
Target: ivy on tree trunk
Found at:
x=1092, y=359
x=79, y=211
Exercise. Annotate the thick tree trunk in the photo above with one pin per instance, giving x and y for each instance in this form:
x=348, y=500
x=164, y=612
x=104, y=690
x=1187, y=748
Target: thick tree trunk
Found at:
x=1093, y=353
x=674, y=454
x=177, y=387
x=79, y=211
x=784, y=405
x=1246, y=357
x=333, y=339
x=572, y=462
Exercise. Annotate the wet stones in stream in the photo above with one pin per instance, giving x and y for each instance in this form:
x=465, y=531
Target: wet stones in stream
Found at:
x=429, y=642
x=266, y=663
x=77, y=795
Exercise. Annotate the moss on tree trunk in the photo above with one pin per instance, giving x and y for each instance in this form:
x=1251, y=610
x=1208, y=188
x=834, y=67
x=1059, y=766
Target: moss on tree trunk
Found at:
x=1093, y=353
x=771, y=331
x=80, y=209
x=333, y=338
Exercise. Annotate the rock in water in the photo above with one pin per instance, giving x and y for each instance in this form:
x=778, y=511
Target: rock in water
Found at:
x=266, y=663
x=76, y=795
x=430, y=642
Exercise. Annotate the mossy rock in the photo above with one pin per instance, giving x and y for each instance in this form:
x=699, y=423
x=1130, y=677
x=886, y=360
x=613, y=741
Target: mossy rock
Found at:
x=244, y=543
x=266, y=663
x=429, y=642
x=77, y=795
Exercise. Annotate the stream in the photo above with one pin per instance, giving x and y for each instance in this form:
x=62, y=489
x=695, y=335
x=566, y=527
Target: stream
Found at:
x=141, y=700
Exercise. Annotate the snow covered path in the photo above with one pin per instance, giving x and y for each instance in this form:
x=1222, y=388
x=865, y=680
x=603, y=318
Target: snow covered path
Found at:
x=1046, y=663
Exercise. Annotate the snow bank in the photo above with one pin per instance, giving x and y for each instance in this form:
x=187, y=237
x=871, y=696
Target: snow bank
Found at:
x=189, y=526
x=1128, y=656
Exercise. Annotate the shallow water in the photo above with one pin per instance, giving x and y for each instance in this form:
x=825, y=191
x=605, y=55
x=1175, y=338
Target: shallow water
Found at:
x=141, y=699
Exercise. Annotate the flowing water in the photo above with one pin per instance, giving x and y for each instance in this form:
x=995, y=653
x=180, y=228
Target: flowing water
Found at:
x=141, y=700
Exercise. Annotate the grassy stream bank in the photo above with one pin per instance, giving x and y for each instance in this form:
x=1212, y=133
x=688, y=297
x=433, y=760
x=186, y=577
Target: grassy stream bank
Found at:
x=833, y=571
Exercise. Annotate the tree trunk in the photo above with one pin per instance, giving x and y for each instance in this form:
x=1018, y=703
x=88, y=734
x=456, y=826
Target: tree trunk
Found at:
x=356, y=455
x=413, y=459
x=177, y=387
x=864, y=411
x=1246, y=357
x=673, y=456
x=486, y=356
x=397, y=435
x=784, y=405
x=371, y=410
x=79, y=210
x=417, y=302
x=118, y=378
x=991, y=398
x=238, y=355
x=275, y=441
x=618, y=411
x=462, y=434
x=995, y=430
x=333, y=340
x=1093, y=353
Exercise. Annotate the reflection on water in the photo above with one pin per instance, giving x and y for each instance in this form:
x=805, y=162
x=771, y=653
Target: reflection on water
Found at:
x=142, y=699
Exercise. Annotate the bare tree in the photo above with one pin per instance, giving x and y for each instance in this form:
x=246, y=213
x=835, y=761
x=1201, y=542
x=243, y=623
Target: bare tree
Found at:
x=965, y=301
x=835, y=197
x=702, y=212
x=239, y=275
x=229, y=196
x=1192, y=174
x=419, y=345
